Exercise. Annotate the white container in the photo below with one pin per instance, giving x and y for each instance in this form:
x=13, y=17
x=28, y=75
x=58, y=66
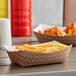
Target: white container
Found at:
x=5, y=39
x=5, y=32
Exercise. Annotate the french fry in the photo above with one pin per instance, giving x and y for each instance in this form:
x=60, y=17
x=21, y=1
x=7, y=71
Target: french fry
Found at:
x=30, y=48
x=56, y=31
x=41, y=48
x=71, y=29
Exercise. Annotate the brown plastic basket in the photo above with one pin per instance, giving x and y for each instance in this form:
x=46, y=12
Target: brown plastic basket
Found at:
x=28, y=58
x=63, y=39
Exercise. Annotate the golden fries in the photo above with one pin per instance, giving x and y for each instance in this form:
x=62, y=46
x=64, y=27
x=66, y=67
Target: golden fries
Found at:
x=71, y=29
x=42, y=48
x=29, y=48
x=56, y=31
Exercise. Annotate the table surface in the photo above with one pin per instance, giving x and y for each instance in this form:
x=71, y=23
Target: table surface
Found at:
x=68, y=65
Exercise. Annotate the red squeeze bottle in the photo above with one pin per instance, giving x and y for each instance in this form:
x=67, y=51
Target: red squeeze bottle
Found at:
x=21, y=17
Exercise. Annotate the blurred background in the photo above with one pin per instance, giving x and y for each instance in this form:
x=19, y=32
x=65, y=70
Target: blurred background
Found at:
x=54, y=11
x=48, y=12
x=58, y=12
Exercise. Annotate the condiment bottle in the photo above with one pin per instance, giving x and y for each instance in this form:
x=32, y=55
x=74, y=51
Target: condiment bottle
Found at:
x=21, y=13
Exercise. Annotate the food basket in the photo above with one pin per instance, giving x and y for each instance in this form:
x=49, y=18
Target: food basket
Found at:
x=45, y=38
x=29, y=58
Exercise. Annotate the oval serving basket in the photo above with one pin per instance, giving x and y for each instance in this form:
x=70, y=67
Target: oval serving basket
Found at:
x=63, y=39
x=46, y=38
x=28, y=58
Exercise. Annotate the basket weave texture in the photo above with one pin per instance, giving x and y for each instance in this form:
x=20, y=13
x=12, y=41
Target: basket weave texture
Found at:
x=63, y=39
x=28, y=58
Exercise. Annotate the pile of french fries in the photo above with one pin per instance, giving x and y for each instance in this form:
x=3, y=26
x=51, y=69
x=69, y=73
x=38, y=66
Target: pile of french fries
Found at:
x=42, y=48
x=70, y=30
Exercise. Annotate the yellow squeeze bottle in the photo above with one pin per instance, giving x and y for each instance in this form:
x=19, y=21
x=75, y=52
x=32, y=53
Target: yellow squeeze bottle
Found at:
x=3, y=8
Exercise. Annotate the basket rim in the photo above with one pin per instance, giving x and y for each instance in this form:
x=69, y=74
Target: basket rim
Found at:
x=53, y=36
x=70, y=46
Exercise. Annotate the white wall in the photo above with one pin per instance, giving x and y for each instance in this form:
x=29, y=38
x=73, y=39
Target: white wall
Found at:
x=47, y=12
